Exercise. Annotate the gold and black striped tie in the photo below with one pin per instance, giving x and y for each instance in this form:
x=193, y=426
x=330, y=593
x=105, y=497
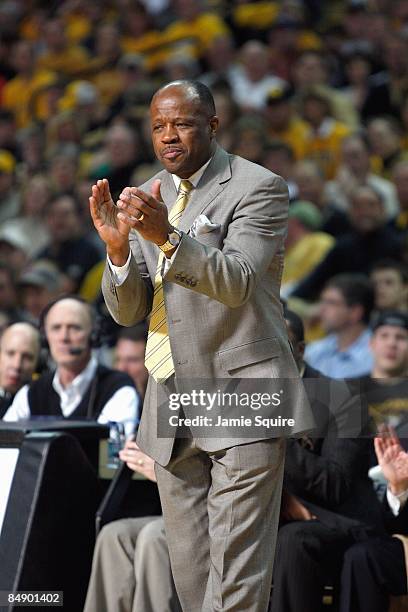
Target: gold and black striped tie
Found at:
x=158, y=359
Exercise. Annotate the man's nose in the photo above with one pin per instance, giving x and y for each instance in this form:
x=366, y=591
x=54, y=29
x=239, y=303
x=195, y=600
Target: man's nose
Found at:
x=169, y=134
x=17, y=362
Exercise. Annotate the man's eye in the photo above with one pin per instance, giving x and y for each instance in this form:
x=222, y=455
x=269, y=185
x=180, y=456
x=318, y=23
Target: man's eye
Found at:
x=182, y=125
x=156, y=128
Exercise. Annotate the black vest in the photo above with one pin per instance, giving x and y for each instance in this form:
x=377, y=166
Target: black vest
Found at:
x=45, y=401
x=5, y=402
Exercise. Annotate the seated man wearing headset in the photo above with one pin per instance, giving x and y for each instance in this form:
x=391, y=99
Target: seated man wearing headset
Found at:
x=79, y=388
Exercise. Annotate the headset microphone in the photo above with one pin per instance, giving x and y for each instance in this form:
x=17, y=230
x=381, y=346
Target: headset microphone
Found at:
x=76, y=350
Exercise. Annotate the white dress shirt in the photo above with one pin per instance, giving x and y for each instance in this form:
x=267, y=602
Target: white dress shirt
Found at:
x=396, y=502
x=122, y=407
x=120, y=272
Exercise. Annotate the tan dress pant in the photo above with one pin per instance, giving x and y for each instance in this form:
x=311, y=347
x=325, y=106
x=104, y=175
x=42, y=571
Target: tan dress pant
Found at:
x=221, y=511
x=131, y=569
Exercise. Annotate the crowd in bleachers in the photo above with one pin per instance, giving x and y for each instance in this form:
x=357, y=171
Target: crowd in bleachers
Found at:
x=314, y=91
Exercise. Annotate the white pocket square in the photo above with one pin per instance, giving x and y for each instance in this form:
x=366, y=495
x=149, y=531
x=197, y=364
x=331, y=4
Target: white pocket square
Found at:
x=202, y=225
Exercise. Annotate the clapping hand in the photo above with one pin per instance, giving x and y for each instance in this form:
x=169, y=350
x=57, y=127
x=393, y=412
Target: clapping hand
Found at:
x=112, y=230
x=145, y=212
x=392, y=459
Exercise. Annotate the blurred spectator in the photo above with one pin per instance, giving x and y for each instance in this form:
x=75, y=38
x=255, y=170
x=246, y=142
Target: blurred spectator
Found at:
x=386, y=388
x=137, y=88
x=375, y=568
x=19, y=352
x=253, y=80
x=21, y=93
x=129, y=355
x=390, y=282
x=388, y=87
x=278, y=157
x=79, y=388
x=14, y=247
x=63, y=128
x=369, y=241
x=8, y=132
x=228, y=114
x=8, y=292
x=36, y=194
x=249, y=138
x=39, y=285
x=63, y=168
x=326, y=135
x=59, y=55
x=107, y=49
x=358, y=69
x=83, y=98
x=305, y=245
x=384, y=136
x=400, y=178
x=9, y=196
x=355, y=170
x=287, y=38
x=32, y=150
x=356, y=23
x=346, y=303
x=220, y=61
x=121, y=155
x=69, y=250
x=311, y=69
x=282, y=122
x=139, y=36
x=309, y=180
x=194, y=28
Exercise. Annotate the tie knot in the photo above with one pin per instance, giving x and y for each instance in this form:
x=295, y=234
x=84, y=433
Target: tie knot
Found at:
x=185, y=186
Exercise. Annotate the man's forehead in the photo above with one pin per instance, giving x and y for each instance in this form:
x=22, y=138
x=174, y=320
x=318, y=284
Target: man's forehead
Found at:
x=18, y=338
x=70, y=309
x=176, y=97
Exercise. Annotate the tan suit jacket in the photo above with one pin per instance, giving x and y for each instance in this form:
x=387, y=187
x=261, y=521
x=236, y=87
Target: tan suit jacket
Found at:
x=221, y=291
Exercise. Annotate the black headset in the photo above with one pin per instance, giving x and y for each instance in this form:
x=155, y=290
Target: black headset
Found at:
x=94, y=339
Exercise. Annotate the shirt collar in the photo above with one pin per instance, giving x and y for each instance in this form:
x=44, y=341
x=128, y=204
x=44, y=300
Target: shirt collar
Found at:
x=80, y=382
x=194, y=178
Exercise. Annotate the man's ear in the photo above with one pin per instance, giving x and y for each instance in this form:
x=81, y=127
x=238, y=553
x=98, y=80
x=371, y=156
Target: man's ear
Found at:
x=214, y=123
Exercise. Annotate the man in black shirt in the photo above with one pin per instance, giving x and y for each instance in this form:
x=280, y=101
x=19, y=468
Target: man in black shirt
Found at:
x=386, y=389
x=369, y=241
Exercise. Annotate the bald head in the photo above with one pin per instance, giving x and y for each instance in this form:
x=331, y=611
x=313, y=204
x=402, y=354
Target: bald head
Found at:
x=68, y=326
x=19, y=350
x=193, y=92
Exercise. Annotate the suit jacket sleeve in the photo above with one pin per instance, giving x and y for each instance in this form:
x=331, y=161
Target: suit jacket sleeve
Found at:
x=395, y=524
x=255, y=234
x=130, y=302
x=326, y=479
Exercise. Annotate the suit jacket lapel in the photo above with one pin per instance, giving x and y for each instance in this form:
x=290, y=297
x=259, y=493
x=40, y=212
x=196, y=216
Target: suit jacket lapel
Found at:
x=216, y=175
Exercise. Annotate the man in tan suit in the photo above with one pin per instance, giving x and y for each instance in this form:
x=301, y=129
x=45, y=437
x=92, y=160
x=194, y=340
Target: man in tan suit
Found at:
x=200, y=248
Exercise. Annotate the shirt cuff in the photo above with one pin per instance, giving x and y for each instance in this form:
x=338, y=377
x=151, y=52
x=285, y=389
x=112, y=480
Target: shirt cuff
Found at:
x=168, y=262
x=120, y=273
x=396, y=502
